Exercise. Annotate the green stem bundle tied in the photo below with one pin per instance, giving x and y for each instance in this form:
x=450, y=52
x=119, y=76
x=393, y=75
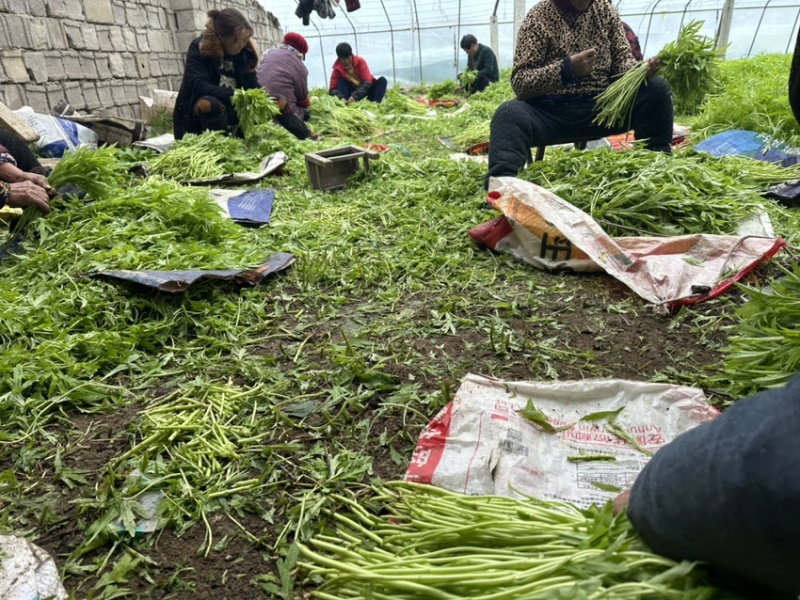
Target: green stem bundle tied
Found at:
x=690, y=64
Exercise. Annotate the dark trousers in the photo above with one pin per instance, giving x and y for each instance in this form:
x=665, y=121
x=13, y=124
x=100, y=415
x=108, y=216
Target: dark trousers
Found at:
x=213, y=115
x=480, y=84
x=519, y=125
x=376, y=91
x=16, y=146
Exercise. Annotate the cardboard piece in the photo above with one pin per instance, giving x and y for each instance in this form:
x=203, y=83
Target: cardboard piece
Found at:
x=11, y=122
x=179, y=281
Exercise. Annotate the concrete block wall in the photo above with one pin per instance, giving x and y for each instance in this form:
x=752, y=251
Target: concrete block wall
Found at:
x=101, y=55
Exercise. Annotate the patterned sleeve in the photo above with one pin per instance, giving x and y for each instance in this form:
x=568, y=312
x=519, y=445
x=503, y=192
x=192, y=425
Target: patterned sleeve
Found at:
x=5, y=157
x=530, y=77
x=5, y=193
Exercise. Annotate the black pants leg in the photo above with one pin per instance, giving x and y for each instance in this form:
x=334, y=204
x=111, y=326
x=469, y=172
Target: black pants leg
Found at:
x=518, y=125
x=480, y=84
x=16, y=146
x=294, y=125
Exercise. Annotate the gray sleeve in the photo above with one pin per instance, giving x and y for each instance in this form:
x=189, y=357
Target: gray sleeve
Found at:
x=728, y=492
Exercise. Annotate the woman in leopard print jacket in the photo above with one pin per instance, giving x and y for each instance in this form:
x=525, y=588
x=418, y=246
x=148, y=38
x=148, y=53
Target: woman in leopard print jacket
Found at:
x=568, y=51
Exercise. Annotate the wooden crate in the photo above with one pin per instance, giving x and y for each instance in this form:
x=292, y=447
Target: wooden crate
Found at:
x=329, y=169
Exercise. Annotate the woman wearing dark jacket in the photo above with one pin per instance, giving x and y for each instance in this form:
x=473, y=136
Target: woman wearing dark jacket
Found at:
x=221, y=60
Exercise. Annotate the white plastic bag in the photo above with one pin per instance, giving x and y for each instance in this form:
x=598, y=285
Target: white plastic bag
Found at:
x=56, y=136
x=27, y=572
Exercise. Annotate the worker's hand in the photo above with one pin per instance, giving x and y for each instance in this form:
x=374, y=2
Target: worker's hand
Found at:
x=39, y=180
x=621, y=502
x=653, y=65
x=281, y=102
x=583, y=62
x=351, y=100
x=27, y=193
x=313, y=134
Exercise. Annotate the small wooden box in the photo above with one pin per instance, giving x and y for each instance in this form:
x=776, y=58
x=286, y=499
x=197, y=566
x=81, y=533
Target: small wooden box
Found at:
x=329, y=169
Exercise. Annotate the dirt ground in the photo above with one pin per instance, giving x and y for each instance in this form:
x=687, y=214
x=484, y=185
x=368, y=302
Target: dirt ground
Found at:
x=602, y=331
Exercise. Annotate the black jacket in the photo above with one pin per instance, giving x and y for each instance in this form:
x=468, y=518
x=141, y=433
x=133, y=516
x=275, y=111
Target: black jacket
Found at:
x=727, y=493
x=205, y=68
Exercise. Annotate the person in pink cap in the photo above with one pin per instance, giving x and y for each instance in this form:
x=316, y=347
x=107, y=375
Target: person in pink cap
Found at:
x=284, y=76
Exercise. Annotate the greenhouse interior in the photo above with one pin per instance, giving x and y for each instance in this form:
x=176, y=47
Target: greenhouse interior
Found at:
x=410, y=42
x=416, y=300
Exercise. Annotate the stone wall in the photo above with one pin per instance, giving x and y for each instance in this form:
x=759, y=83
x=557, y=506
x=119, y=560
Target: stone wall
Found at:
x=101, y=55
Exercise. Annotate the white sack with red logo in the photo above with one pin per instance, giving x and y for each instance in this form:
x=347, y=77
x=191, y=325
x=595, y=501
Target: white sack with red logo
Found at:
x=548, y=232
x=479, y=444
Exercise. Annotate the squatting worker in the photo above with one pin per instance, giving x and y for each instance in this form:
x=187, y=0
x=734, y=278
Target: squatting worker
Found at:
x=220, y=61
x=22, y=179
x=568, y=51
x=283, y=74
x=727, y=493
x=481, y=59
x=351, y=79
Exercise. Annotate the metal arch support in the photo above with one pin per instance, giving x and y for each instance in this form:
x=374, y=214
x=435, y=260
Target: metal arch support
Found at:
x=755, y=35
x=683, y=14
x=321, y=50
x=650, y=22
x=355, y=35
x=725, y=20
x=391, y=34
x=457, y=40
x=419, y=39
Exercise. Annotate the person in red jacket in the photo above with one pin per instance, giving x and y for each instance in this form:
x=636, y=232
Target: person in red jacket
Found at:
x=351, y=79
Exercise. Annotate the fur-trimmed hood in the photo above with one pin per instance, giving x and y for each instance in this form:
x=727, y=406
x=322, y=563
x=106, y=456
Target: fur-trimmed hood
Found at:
x=211, y=47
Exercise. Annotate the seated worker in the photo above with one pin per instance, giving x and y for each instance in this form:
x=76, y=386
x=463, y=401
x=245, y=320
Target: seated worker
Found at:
x=633, y=41
x=21, y=187
x=284, y=76
x=221, y=60
x=568, y=51
x=351, y=79
x=480, y=59
x=727, y=493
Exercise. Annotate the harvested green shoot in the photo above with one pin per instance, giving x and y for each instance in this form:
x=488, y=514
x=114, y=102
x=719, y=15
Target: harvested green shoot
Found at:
x=753, y=95
x=331, y=116
x=614, y=106
x=764, y=341
x=253, y=107
x=537, y=417
x=691, y=66
x=640, y=192
x=97, y=172
x=468, y=77
x=395, y=102
x=414, y=541
x=204, y=156
x=473, y=134
x=592, y=458
x=440, y=90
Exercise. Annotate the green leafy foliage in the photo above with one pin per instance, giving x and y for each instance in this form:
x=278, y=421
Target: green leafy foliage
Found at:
x=764, y=342
x=253, y=107
x=414, y=541
x=691, y=66
x=640, y=191
x=331, y=116
x=754, y=95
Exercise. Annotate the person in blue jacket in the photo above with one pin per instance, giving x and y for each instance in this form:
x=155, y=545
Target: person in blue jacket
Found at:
x=727, y=493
